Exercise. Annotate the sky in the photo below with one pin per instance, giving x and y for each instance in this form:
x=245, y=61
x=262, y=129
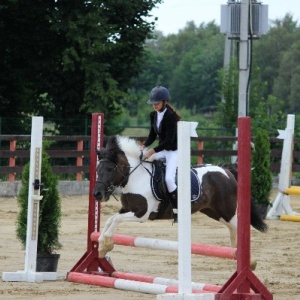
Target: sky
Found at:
x=174, y=14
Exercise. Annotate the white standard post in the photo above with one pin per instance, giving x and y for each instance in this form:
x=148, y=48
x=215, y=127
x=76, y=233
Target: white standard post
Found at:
x=281, y=204
x=186, y=130
x=244, y=59
x=34, y=197
x=287, y=153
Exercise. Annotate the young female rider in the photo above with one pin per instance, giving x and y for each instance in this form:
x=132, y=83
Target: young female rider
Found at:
x=164, y=125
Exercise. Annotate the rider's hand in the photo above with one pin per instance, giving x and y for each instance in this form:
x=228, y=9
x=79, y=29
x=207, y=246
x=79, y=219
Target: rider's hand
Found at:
x=149, y=153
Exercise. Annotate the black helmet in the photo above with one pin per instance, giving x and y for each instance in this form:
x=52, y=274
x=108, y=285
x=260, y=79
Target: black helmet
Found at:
x=158, y=94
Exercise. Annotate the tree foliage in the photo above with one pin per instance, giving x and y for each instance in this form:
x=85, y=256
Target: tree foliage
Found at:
x=261, y=174
x=70, y=58
x=228, y=107
x=66, y=59
x=277, y=55
x=188, y=64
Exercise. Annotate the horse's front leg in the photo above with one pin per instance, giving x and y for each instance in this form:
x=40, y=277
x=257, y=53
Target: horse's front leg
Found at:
x=106, y=242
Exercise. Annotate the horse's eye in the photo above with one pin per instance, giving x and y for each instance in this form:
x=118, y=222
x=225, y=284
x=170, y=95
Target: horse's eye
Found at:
x=109, y=169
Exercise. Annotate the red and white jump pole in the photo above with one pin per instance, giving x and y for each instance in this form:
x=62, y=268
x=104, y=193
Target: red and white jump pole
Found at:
x=165, y=281
x=158, y=244
x=136, y=284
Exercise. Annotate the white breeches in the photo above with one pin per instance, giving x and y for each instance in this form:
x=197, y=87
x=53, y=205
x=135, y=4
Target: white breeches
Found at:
x=171, y=166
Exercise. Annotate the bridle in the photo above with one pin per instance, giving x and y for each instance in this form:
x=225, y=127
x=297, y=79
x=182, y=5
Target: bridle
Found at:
x=110, y=187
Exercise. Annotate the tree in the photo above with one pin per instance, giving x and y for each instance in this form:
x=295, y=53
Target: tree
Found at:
x=49, y=212
x=261, y=174
x=286, y=85
x=228, y=109
x=25, y=58
x=186, y=63
x=80, y=55
x=270, y=48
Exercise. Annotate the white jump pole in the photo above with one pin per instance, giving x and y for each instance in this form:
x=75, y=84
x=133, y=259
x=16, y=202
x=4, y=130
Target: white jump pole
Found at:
x=29, y=273
x=186, y=130
x=281, y=204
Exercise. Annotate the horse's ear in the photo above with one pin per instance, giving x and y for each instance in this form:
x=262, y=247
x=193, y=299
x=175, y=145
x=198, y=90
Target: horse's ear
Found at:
x=99, y=154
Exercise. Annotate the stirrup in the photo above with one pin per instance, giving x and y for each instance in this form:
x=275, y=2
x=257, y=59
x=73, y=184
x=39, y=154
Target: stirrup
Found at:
x=175, y=220
x=175, y=217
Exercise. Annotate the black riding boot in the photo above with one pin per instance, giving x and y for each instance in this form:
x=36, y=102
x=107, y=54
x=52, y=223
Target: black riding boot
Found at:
x=173, y=197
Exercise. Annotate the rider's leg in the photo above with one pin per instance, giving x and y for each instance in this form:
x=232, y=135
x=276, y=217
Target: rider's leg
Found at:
x=171, y=166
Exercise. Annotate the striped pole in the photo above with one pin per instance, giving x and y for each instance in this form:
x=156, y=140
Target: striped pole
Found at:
x=199, y=249
x=165, y=281
x=126, y=284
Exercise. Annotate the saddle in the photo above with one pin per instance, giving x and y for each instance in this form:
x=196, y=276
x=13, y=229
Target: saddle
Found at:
x=158, y=184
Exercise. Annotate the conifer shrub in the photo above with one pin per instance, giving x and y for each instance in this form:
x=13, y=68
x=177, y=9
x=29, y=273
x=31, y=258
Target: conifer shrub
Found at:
x=49, y=212
x=261, y=174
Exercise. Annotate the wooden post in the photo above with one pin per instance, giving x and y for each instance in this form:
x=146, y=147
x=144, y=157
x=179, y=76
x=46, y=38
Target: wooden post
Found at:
x=200, y=157
x=12, y=160
x=79, y=160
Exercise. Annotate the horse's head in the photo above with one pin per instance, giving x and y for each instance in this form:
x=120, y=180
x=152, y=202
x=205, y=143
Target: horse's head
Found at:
x=112, y=170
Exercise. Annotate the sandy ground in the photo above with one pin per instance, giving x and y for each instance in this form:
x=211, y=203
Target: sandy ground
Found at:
x=277, y=254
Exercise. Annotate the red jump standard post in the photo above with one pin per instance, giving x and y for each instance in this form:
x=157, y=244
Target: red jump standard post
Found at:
x=243, y=280
x=90, y=261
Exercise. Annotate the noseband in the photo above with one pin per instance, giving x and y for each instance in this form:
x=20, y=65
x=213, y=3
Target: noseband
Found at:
x=110, y=187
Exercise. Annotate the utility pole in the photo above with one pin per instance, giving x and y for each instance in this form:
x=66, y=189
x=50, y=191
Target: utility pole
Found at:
x=243, y=20
x=244, y=53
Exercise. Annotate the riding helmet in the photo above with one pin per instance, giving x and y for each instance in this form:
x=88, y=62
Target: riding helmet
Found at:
x=158, y=94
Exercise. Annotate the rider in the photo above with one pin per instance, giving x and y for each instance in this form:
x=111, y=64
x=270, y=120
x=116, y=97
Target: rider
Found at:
x=163, y=122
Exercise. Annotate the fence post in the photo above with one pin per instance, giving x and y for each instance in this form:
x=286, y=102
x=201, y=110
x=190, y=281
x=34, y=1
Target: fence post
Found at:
x=12, y=160
x=200, y=157
x=79, y=160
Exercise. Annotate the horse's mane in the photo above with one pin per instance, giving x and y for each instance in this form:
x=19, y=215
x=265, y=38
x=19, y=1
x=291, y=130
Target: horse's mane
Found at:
x=129, y=145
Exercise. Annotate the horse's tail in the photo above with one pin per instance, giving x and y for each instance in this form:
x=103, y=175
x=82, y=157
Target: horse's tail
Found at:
x=256, y=220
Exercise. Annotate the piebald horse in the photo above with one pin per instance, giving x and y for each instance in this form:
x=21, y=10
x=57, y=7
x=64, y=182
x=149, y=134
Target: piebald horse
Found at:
x=120, y=166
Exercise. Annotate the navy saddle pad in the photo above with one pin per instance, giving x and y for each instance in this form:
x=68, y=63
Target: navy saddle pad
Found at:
x=158, y=184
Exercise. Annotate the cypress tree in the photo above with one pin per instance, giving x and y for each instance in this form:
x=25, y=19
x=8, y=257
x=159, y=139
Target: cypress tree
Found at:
x=261, y=175
x=50, y=209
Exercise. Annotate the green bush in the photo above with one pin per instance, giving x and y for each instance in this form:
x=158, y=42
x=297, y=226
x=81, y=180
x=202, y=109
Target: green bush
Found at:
x=50, y=209
x=261, y=175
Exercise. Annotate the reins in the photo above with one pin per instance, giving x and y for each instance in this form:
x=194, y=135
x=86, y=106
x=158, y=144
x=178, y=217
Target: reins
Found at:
x=111, y=188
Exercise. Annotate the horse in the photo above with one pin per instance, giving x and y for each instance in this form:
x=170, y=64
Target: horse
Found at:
x=120, y=165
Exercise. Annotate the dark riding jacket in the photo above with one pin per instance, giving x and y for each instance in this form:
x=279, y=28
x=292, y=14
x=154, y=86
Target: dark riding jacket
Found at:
x=167, y=131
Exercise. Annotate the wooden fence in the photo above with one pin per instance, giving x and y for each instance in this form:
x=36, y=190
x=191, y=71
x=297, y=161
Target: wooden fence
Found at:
x=70, y=154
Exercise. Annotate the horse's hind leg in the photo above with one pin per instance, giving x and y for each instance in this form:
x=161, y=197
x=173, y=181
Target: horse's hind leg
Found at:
x=232, y=226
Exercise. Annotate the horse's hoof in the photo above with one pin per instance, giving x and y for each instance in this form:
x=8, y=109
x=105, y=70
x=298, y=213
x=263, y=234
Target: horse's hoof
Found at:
x=102, y=252
x=253, y=265
x=109, y=243
x=105, y=246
